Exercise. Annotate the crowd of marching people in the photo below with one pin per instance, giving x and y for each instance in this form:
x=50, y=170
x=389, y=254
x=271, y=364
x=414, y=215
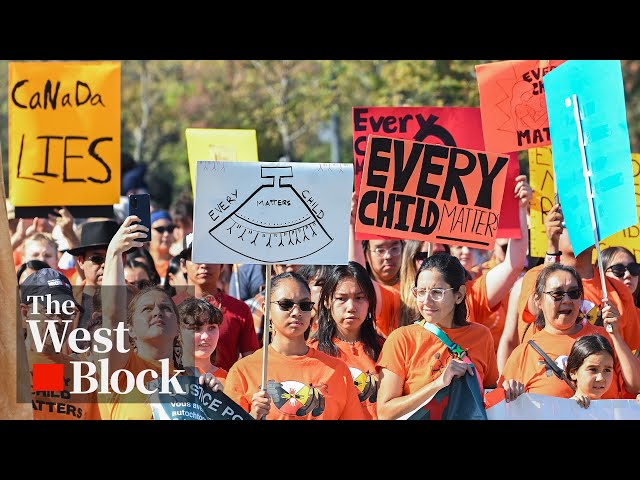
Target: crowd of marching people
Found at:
x=349, y=341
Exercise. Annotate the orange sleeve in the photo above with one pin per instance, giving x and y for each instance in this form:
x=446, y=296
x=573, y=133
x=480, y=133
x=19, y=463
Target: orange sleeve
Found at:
x=389, y=316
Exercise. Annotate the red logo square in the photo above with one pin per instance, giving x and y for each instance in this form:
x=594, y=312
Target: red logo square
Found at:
x=48, y=377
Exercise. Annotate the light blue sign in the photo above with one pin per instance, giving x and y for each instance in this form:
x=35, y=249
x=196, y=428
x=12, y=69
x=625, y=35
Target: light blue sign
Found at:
x=587, y=97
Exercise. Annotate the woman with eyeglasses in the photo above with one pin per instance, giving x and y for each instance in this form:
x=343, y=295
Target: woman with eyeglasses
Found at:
x=162, y=228
x=302, y=383
x=347, y=307
x=415, y=364
x=558, y=295
x=559, y=250
x=415, y=252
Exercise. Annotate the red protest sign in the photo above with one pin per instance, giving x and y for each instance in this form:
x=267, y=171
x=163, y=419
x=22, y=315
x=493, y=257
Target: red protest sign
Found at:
x=431, y=192
x=451, y=126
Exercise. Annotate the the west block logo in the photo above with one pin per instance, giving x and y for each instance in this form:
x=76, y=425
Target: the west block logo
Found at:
x=50, y=377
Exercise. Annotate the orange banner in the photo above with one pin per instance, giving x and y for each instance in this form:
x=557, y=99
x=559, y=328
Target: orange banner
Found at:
x=64, y=133
x=513, y=104
x=429, y=192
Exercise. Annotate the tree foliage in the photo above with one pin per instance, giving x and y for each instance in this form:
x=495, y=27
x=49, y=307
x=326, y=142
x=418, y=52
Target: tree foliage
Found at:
x=290, y=103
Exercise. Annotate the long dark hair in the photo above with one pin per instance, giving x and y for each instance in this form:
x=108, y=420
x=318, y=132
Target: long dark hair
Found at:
x=327, y=328
x=541, y=283
x=454, y=275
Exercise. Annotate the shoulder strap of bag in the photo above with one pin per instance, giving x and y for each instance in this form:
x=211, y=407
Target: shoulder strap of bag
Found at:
x=454, y=348
x=553, y=365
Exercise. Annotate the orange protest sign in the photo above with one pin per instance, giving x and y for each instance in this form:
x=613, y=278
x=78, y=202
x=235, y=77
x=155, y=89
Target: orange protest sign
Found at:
x=513, y=104
x=429, y=192
x=64, y=133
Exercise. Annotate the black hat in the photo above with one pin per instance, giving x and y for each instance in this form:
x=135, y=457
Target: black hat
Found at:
x=96, y=234
x=47, y=281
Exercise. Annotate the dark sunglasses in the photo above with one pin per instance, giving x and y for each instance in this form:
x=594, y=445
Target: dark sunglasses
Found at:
x=168, y=228
x=558, y=295
x=97, y=259
x=618, y=269
x=421, y=256
x=287, y=305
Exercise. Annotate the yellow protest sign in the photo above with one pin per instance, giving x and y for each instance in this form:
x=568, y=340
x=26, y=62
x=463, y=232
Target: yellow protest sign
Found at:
x=541, y=180
x=64, y=133
x=219, y=144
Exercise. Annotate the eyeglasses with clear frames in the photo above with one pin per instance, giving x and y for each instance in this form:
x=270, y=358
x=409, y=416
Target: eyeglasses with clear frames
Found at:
x=436, y=294
x=393, y=251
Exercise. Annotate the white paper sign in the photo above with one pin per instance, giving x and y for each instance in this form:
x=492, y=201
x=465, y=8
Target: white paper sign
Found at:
x=531, y=406
x=272, y=212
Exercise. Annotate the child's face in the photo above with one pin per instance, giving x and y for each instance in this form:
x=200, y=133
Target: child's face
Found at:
x=594, y=376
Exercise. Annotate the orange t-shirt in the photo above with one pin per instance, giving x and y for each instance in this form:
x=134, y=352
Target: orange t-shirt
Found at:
x=617, y=292
x=528, y=367
x=363, y=372
x=419, y=357
x=63, y=405
x=315, y=386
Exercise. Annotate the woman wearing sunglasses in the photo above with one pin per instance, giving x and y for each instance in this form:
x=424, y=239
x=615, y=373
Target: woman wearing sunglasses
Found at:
x=415, y=364
x=619, y=262
x=302, y=382
x=558, y=295
x=347, y=307
x=162, y=228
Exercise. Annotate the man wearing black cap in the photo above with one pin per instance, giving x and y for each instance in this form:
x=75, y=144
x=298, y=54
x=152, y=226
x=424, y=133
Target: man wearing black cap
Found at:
x=237, y=334
x=90, y=254
x=46, y=295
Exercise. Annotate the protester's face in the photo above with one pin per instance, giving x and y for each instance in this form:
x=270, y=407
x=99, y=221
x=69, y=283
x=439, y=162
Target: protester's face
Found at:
x=560, y=316
x=200, y=342
x=204, y=275
x=436, y=311
x=183, y=227
x=154, y=317
x=292, y=323
x=40, y=250
x=161, y=241
x=349, y=306
x=135, y=274
x=92, y=264
x=629, y=280
x=595, y=375
x=468, y=257
x=385, y=258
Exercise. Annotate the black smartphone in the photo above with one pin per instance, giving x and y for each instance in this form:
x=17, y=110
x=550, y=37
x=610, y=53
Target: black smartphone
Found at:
x=140, y=205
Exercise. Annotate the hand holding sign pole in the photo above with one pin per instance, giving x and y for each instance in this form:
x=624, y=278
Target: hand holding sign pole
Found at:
x=573, y=101
x=601, y=190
